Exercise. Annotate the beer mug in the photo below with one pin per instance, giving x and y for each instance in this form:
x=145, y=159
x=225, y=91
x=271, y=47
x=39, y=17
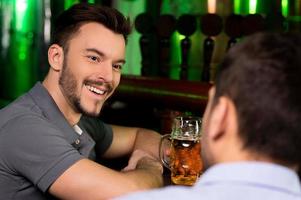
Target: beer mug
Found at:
x=183, y=154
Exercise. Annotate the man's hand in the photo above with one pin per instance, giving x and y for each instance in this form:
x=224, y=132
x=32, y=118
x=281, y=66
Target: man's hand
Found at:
x=141, y=159
x=142, y=162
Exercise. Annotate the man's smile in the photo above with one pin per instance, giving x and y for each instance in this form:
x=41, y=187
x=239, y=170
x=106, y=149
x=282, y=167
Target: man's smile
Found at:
x=98, y=91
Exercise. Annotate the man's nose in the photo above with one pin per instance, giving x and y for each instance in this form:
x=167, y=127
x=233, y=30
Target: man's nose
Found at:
x=105, y=71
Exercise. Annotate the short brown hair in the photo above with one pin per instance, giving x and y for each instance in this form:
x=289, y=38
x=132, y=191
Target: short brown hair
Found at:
x=68, y=22
x=261, y=75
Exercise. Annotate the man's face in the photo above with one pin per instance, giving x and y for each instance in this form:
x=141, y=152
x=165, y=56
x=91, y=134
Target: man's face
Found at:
x=91, y=70
x=207, y=155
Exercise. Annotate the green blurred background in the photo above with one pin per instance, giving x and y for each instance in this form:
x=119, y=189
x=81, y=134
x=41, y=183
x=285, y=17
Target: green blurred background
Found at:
x=25, y=29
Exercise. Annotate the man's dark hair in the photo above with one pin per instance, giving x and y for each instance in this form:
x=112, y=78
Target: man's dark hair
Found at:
x=262, y=76
x=68, y=22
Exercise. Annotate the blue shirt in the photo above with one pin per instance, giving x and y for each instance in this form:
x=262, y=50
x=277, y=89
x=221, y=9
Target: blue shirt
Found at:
x=240, y=180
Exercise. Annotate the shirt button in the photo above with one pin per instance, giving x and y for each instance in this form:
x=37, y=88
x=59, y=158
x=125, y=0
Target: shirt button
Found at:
x=77, y=141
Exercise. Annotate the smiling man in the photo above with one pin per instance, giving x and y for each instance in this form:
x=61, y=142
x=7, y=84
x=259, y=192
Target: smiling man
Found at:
x=87, y=71
x=49, y=140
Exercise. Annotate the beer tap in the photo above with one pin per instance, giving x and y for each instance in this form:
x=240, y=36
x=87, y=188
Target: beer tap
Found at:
x=144, y=25
x=211, y=25
x=186, y=25
x=233, y=29
x=165, y=27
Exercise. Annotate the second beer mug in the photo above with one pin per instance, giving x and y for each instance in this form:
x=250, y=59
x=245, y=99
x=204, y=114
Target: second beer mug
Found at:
x=183, y=154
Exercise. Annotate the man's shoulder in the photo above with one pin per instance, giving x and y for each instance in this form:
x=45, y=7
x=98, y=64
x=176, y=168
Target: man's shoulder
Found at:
x=22, y=108
x=27, y=103
x=21, y=116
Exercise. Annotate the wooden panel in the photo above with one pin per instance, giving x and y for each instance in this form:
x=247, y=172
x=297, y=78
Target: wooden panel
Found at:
x=163, y=93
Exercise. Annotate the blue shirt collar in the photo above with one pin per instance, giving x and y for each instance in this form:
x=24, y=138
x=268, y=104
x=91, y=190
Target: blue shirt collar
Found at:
x=253, y=173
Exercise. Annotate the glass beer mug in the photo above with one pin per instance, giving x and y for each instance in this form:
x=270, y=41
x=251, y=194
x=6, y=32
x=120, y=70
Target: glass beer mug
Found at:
x=183, y=154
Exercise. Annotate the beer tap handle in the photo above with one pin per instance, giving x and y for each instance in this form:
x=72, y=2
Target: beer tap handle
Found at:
x=208, y=52
x=185, y=46
x=166, y=25
x=186, y=25
x=144, y=43
x=231, y=43
x=233, y=29
x=211, y=25
x=144, y=25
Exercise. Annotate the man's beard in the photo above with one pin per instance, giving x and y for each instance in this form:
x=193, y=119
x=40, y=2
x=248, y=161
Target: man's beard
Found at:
x=68, y=85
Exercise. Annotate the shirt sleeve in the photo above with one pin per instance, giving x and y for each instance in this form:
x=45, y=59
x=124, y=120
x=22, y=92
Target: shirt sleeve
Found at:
x=37, y=150
x=101, y=132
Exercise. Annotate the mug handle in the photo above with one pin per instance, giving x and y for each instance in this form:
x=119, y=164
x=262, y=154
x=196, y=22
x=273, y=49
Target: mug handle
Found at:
x=161, y=150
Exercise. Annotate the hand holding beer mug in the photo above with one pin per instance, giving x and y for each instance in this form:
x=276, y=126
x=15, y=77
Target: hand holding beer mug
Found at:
x=184, y=156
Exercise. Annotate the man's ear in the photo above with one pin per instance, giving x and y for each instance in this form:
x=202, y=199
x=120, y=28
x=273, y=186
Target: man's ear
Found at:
x=218, y=119
x=56, y=57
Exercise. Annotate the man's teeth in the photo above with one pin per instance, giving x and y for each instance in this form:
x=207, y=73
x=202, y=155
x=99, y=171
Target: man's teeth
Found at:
x=95, y=90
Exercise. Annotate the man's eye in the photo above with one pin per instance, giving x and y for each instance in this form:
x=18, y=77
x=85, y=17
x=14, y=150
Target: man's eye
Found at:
x=94, y=58
x=117, y=67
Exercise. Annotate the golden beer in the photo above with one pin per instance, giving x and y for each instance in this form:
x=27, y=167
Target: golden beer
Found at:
x=185, y=161
x=180, y=151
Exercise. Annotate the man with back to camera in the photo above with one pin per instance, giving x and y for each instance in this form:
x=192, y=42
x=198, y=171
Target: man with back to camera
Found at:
x=251, y=127
x=44, y=152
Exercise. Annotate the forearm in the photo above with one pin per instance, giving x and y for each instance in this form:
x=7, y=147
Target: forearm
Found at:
x=89, y=180
x=137, y=142
x=128, y=139
x=148, y=141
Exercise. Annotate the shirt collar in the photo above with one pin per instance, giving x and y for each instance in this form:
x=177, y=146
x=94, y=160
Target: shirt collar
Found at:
x=260, y=173
x=51, y=111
